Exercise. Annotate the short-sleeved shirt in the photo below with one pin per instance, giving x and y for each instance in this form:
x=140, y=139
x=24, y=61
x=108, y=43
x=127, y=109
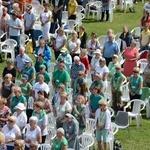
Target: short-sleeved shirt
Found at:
x=145, y=37
x=10, y=133
x=135, y=84
x=16, y=101
x=46, y=77
x=29, y=19
x=58, y=145
x=59, y=40
x=102, y=70
x=94, y=101
x=45, y=15
x=12, y=72
x=71, y=7
x=61, y=77
x=17, y=23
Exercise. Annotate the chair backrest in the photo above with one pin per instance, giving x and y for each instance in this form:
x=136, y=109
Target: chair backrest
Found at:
x=120, y=58
x=102, y=39
x=64, y=16
x=114, y=128
x=108, y=97
x=30, y=102
x=90, y=125
x=17, y=82
x=70, y=94
x=54, y=27
x=23, y=39
x=45, y=147
x=142, y=63
x=136, y=31
x=111, y=111
x=122, y=119
x=125, y=92
x=37, y=33
x=112, y=6
x=71, y=24
x=79, y=9
x=11, y=44
x=86, y=141
x=51, y=134
x=51, y=120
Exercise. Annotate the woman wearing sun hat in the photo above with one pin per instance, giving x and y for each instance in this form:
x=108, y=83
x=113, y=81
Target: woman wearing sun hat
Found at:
x=102, y=123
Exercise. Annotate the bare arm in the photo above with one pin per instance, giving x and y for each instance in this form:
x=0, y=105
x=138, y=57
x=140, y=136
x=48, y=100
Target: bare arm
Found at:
x=105, y=76
x=39, y=138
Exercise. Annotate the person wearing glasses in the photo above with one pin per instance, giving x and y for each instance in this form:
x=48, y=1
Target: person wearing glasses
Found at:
x=102, y=123
x=135, y=84
x=11, y=132
x=116, y=87
x=6, y=89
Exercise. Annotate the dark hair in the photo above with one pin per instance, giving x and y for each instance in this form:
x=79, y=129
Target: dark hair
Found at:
x=94, y=35
x=98, y=89
x=43, y=93
x=83, y=88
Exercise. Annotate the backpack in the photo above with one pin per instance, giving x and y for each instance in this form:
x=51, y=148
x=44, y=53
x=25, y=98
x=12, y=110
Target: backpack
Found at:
x=117, y=145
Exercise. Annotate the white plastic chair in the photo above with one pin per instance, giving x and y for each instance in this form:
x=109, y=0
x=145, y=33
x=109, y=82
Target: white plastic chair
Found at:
x=121, y=60
x=64, y=17
x=79, y=18
x=111, y=10
x=90, y=127
x=51, y=68
x=102, y=40
x=125, y=93
x=111, y=111
x=8, y=46
x=17, y=82
x=142, y=63
x=30, y=102
x=37, y=10
x=23, y=39
x=108, y=97
x=128, y=2
x=85, y=141
x=2, y=34
x=136, y=31
x=138, y=106
x=117, y=36
x=51, y=135
x=52, y=90
x=45, y=147
x=37, y=26
x=79, y=9
x=70, y=94
x=51, y=120
x=119, y=43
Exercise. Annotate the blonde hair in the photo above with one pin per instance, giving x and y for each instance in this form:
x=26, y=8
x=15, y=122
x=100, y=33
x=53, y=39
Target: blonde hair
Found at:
x=63, y=94
x=103, y=102
x=15, y=6
x=12, y=118
x=2, y=138
x=19, y=145
x=18, y=89
x=82, y=97
x=38, y=104
x=62, y=86
x=8, y=75
x=3, y=101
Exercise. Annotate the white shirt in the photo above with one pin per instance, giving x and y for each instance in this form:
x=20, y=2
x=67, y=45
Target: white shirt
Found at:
x=32, y=135
x=45, y=15
x=94, y=63
x=102, y=70
x=59, y=40
x=41, y=50
x=37, y=87
x=10, y=134
x=73, y=45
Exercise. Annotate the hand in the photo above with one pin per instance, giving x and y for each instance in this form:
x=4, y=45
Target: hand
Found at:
x=75, y=107
x=8, y=141
x=42, y=24
x=55, y=11
x=27, y=29
x=132, y=93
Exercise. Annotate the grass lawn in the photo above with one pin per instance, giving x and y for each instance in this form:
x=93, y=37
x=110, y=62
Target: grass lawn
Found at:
x=135, y=139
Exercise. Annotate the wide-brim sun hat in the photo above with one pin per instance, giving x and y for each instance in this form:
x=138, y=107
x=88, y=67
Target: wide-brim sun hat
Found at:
x=20, y=106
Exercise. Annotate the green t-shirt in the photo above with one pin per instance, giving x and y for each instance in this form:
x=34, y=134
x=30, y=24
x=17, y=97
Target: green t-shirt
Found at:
x=135, y=84
x=61, y=77
x=16, y=100
x=46, y=77
x=116, y=80
x=26, y=89
x=58, y=145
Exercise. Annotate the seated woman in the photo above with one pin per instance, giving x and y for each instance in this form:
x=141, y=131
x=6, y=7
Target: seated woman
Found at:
x=7, y=88
x=33, y=132
x=60, y=142
x=44, y=49
x=102, y=123
x=72, y=5
x=9, y=69
x=21, y=116
x=74, y=45
x=11, y=132
x=79, y=112
x=5, y=112
x=43, y=97
x=71, y=128
x=29, y=70
x=40, y=113
x=18, y=98
x=94, y=100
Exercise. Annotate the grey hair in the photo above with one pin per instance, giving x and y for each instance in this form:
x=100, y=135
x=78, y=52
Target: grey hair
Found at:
x=33, y=118
x=61, y=130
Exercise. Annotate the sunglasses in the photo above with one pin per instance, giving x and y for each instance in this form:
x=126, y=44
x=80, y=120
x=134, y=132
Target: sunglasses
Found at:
x=135, y=71
x=16, y=145
x=59, y=87
x=100, y=105
x=117, y=68
x=80, y=74
x=10, y=121
x=6, y=77
x=66, y=116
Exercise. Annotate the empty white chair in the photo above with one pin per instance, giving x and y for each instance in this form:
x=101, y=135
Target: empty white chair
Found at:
x=102, y=40
x=142, y=63
x=79, y=18
x=85, y=141
x=51, y=68
x=125, y=93
x=30, y=102
x=111, y=111
x=138, y=106
x=8, y=46
x=45, y=147
x=64, y=17
x=2, y=34
x=51, y=120
x=136, y=31
x=23, y=39
x=119, y=43
x=51, y=135
x=111, y=10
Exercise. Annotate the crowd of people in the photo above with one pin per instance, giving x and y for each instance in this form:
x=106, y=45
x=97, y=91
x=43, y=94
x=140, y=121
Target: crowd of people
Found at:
x=82, y=64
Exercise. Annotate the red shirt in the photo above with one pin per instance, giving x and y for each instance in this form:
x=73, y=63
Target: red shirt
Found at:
x=85, y=61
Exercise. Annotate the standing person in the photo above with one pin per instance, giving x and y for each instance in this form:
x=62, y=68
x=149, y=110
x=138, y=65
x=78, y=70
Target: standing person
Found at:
x=92, y=45
x=116, y=86
x=145, y=19
x=131, y=56
x=59, y=43
x=29, y=20
x=8, y=5
x=57, y=10
x=72, y=5
x=110, y=48
x=102, y=123
x=15, y=25
x=45, y=18
x=105, y=8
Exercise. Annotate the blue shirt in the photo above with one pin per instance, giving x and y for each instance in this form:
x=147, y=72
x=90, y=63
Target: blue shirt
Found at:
x=110, y=49
x=29, y=19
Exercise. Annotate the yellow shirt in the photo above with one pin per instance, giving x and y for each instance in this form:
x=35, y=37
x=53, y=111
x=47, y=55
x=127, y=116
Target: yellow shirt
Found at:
x=72, y=7
x=145, y=37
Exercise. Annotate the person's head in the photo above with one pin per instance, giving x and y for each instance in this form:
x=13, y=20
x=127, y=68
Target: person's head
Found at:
x=15, y=6
x=19, y=144
x=14, y=14
x=63, y=97
x=38, y=106
x=83, y=53
x=118, y=68
x=8, y=77
x=81, y=29
x=42, y=43
x=74, y=34
x=28, y=8
x=82, y=88
x=33, y=121
x=40, y=57
x=22, y=51
x=40, y=78
x=61, y=31
x=3, y=102
x=114, y=58
x=60, y=133
x=110, y=31
x=42, y=95
x=93, y=36
x=11, y=121
x=20, y=108
x=2, y=139
x=102, y=104
x=80, y=100
x=97, y=53
x=68, y=117
x=61, y=66
x=34, y=145
x=4, y=10
x=29, y=62
x=96, y=90
x=97, y=76
x=61, y=88
x=102, y=62
x=146, y=26
x=146, y=14
x=133, y=44
x=80, y=75
x=76, y=59
x=9, y=62
x=42, y=68
x=46, y=6
x=24, y=78
x=17, y=91
x=136, y=71
x=125, y=29
x=111, y=37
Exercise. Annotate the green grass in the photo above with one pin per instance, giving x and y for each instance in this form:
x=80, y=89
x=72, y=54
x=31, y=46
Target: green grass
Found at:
x=135, y=139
